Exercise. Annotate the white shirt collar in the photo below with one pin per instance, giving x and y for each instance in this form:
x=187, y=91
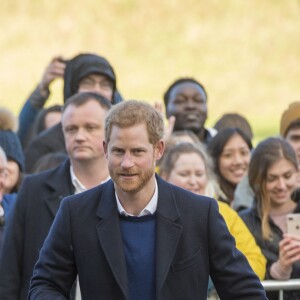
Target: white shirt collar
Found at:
x=150, y=208
x=79, y=187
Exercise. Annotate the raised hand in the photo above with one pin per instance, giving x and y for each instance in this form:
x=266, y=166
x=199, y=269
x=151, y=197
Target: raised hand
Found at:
x=55, y=69
x=171, y=122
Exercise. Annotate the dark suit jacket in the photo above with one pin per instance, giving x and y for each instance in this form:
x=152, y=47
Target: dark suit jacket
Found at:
x=37, y=203
x=48, y=141
x=192, y=242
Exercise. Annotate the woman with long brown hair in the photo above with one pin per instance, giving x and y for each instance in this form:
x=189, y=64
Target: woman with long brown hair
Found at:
x=273, y=173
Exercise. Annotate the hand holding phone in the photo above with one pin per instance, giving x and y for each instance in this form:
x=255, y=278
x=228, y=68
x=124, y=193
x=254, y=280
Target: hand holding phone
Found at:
x=293, y=224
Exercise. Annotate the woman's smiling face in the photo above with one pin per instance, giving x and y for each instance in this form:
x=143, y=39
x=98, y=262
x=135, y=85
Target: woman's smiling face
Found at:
x=189, y=172
x=234, y=159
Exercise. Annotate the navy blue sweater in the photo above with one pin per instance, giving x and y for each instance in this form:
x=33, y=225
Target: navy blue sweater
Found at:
x=139, y=240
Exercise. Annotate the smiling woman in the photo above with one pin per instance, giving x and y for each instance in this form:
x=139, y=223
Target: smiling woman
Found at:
x=273, y=174
x=190, y=167
x=230, y=150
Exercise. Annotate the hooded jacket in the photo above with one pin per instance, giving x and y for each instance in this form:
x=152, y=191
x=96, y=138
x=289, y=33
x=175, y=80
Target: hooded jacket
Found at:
x=83, y=65
x=77, y=68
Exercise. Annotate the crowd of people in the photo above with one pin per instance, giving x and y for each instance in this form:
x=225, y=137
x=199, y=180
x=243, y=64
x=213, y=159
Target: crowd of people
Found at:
x=180, y=211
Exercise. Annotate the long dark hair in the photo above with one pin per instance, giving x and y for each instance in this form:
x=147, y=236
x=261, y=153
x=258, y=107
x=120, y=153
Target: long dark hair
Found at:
x=263, y=157
x=215, y=149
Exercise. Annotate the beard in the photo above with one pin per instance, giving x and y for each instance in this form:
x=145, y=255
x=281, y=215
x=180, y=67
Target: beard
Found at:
x=130, y=184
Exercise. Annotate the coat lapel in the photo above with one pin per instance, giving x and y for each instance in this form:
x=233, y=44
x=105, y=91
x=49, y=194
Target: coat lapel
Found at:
x=110, y=236
x=59, y=183
x=53, y=203
x=168, y=231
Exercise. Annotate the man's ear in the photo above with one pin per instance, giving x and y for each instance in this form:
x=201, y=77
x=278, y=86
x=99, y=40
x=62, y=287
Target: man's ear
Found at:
x=105, y=149
x=159, y=149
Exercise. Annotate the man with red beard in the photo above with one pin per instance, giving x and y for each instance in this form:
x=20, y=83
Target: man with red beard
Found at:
x=137, y=236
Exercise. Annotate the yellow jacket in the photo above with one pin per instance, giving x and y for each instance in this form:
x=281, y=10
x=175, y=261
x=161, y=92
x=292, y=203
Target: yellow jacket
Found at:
x=245, y=241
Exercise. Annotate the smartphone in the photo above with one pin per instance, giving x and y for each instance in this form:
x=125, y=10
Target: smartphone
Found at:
x=293, y=223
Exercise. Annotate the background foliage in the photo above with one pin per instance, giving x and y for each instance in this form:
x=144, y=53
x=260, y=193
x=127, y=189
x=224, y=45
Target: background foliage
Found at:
x=246, y=53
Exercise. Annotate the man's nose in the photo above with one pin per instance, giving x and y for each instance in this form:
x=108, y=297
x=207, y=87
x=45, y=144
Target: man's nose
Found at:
x=80, y=134
x=190, y=103
x=127, y=161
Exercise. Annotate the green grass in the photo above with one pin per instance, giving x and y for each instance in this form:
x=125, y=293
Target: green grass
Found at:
x=246, y=52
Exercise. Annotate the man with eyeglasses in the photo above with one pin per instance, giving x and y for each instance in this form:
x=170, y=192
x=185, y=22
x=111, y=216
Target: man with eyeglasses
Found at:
x=84, y=73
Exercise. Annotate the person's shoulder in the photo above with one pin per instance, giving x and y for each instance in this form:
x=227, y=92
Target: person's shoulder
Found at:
x=63, y=169
x=52, y=131
x=86, y=204
x=9, y=199
x=48, y=136
x=93, y=194
x=211, y=132
x=225, y=209
x=180, y=193
x=185, y=198
x=248, y=213
x=55, y=176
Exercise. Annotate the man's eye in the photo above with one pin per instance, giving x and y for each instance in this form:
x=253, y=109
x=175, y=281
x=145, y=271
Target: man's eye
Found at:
x=179, y=100
x=91, y=128
x=70, y=130
x=138, y=152
x=199, y=100
x=106, y=84
x=86, y=82
x=117, y=151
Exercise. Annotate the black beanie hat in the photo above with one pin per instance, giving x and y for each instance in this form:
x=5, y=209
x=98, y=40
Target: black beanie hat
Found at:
x=11, y=145
x=81, y=66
